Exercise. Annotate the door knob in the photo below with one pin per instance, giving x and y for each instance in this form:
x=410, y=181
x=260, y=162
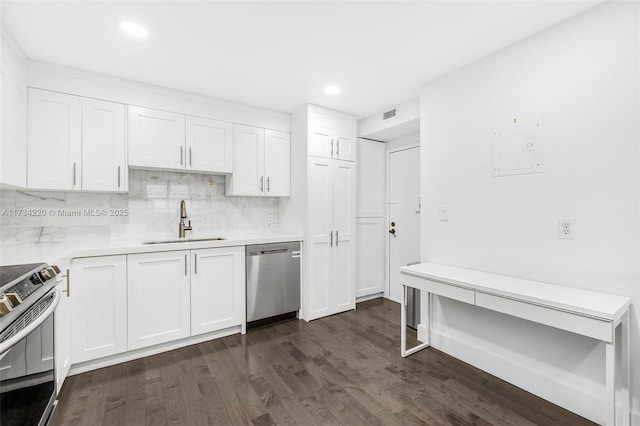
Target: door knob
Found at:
x=393, y=224
x=392, y=232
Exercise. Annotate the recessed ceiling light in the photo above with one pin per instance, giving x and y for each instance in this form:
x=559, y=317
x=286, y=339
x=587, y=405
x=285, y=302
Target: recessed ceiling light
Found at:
x=133, y=29
x=331, y=90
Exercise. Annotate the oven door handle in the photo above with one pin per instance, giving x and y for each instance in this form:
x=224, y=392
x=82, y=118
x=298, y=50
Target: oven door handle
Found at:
x=13, y=340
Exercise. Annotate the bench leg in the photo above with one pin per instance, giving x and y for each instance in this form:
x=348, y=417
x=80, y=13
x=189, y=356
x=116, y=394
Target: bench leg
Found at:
x=404, y=352
x=610, y=383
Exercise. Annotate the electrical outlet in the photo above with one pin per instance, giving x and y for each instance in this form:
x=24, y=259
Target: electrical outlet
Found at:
x=270, y=219
x=566, y=228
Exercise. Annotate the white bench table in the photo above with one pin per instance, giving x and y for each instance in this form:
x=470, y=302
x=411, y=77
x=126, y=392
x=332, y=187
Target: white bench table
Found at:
x=588, y=313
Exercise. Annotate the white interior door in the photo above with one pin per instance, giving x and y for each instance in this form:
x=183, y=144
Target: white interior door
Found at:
x=404, y=212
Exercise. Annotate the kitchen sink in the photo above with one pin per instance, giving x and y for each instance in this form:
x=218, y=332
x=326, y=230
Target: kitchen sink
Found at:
x=183, y=240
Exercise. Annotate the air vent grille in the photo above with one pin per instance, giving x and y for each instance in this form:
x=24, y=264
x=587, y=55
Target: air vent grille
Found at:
x=388, y=115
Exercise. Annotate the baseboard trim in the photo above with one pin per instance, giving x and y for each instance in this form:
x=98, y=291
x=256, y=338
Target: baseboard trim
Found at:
x=83, y=367
x=369, y=297
x=543, y=385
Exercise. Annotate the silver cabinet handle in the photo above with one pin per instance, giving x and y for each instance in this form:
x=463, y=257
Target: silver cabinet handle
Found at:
x=338, y=147
x=331, y=236
x=261, y=183
x=68, y=283
x=195, y=263
x=337, y=239
x=331, y=147
x=74, y=174
x=190, y=159
x=181, y=155
x=185, y=264
x=118, y=176
x=268, y=184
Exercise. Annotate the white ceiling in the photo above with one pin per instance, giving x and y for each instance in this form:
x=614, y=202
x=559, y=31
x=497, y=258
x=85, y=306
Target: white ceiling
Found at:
x=280, y=55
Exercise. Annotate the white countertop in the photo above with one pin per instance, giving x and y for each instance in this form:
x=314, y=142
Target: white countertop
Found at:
x=601, y=305
x=61, y=252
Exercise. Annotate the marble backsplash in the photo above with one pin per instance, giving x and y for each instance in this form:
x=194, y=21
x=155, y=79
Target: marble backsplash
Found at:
x=149, y=211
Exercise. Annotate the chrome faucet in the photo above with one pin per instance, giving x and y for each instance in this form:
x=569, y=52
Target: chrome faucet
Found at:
x=183, y=215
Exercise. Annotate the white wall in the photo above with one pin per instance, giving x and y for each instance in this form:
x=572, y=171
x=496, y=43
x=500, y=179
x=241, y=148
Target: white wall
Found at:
x=582, y=77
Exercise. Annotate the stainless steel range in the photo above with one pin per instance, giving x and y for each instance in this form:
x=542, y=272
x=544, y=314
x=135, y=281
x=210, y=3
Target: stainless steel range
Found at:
x=28, y=297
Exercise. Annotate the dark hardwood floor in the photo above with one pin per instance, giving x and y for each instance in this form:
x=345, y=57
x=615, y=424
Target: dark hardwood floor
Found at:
x=341, y=370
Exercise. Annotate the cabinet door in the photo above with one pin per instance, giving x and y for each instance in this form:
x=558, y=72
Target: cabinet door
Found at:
x=277, y=163
x=320, y=143
x=217, y=289
x=13, y=129
x=344, y=225
x=98, y=292
x=159, y=298
x=248, y=161
x=320, y=245
x=156, y=138
x=370, y=184
x=370, y=255
x=103, y=147
x=209, y=145
x=62, y=325
x=345, y=147
x=54, y=140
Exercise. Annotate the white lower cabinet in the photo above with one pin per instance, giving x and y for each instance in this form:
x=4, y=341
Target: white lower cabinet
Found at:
x=98, y=294
x=217, y=289
x=158, y=298
x=122, y=303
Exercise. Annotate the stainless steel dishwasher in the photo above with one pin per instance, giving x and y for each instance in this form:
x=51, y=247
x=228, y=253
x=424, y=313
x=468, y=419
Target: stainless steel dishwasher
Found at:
x=273, y=280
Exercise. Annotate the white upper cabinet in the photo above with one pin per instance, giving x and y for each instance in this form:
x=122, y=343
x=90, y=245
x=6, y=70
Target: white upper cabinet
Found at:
x=75, y=143
x=156, y=138
x=248, y=162
x=104, y=163
x=13, y=128
x=261, y=162
x=332, y=134
x=167, y=140
x=209, y=145
x=277, y=163
x=327, y=143
x=320, y=143
x=54, y=140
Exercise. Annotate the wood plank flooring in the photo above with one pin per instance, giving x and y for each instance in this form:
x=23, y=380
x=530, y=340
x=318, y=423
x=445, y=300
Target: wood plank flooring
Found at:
x=341, y=370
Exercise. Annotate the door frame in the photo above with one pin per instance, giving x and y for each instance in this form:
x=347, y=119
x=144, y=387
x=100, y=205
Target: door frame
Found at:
x=387, y=278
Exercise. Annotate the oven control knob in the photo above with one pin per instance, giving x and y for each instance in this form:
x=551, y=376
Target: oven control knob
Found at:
x=47, y=274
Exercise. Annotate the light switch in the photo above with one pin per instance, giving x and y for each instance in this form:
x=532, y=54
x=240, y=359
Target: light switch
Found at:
x=444, y=213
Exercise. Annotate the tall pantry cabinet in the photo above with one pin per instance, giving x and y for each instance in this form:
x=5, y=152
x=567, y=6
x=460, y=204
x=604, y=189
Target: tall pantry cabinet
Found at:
x=322, y=207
